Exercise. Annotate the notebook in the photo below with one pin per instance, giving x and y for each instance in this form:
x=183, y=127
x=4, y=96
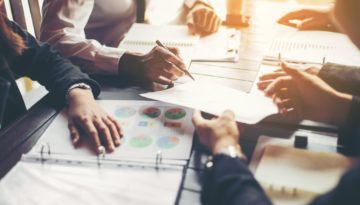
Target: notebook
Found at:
x=312, y=47
x=141, y=38
x=221, y=46
x=296, y=176
x=149, y=128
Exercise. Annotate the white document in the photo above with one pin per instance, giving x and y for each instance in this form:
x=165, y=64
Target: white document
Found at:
x=222, y=46
x=313, y=47
x=215, y=99
x=148, y=126
x=142, y=38
x=44, y=184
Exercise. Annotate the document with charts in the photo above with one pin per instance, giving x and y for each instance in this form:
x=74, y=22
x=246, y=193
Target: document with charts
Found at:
x=215, y=99
x=149, y=127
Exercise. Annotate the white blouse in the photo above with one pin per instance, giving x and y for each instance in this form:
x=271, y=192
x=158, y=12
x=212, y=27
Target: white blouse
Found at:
x=89, y=31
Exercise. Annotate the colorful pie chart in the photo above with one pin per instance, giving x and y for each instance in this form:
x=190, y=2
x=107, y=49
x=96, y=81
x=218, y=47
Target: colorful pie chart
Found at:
x=125, y=112
x=175, y=113
x=168, y=142
x=140, y=141
x=151, y=112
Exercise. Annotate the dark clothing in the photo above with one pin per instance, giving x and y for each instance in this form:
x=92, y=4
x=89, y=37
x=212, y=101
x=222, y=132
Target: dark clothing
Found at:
x=230, y=182
x=343, y=78
x=40, y=63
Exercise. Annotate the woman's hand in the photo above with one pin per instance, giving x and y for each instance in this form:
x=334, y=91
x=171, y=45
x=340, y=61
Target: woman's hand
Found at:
x=217, y=133
x=202, y=19
x=159, y=65
x=304, y=96
x=308, y=20
x=266, y=79
x=86, y=116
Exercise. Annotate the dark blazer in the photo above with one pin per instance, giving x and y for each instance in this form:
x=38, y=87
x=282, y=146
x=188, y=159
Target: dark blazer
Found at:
x=230, y=181
x=40, y=63
x=343, y=78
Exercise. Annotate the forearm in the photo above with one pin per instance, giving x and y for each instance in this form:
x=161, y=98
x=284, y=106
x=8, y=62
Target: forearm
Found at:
x=63, y=26
x=342, y=78
x=229, y=181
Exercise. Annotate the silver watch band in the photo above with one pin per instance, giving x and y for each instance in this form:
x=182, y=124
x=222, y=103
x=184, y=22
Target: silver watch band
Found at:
x=77, y=85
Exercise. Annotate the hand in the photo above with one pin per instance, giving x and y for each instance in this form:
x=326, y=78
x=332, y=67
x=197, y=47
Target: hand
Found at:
x=303, y=96
x=309, y=20
x=217, y=133
x=268, y=78
x=86, y=116
x=156, y=66
x=203, y=20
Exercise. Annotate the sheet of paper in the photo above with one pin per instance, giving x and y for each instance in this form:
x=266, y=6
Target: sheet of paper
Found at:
x=296, y=176
x=142, y=37
x=148, y=127
x=215, y=99
x=220, y=46
x=44, y=184
x=313, y=46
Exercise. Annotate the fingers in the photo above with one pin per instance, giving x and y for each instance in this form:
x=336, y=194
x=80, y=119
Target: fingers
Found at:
x=197, y=119
x=170, y=57
x=228, y=114
x=293, y=72
x=104, y=131
x=206, y=21
x=91, y=131
x=313, y=24
x=164, y=81
x=175, y=51
x=277, y=85
x=114, y=131
x=273, y=75
x=296, y=15
x=74, y=133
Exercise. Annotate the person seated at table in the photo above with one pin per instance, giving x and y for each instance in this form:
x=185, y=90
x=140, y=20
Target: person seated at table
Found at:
x=22, y=55
x=89, y=32
x=228, y=180
x=297, y=95
x=341, y=77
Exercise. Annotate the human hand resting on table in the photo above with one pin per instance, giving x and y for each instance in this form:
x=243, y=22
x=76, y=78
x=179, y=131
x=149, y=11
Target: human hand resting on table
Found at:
x=304, y=96
x=157, y=66
x=217, y=133
x=308, y=20
x=202, y=19
x=86, y=116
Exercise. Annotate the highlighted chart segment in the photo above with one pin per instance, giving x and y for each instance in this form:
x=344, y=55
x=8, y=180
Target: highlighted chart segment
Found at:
x=125, y=112
x=175, y=113
x=140, y=141
x=168, y=142
x=151, y=112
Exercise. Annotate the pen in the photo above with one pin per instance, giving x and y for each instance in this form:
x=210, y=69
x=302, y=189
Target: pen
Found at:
x=184, y=70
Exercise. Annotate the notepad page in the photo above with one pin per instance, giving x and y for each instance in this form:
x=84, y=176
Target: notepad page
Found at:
x=313, y=47
x=142, y=37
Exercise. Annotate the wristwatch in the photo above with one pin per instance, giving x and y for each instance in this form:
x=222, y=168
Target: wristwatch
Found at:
x=83, y=86
x=233, y=151
x=191, y=3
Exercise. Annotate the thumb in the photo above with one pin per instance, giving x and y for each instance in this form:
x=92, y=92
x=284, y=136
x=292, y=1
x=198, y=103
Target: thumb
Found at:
x=293, y=72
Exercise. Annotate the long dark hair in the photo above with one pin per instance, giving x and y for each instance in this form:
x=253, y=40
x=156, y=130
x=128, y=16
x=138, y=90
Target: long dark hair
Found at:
x=11, y=43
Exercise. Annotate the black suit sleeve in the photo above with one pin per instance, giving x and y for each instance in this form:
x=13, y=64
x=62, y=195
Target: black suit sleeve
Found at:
x=342, y=78
x=230, y=182
x=349, y=135
x=41, y=63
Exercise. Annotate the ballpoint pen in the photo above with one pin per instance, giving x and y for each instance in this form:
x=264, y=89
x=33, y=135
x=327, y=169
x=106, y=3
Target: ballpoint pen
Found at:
x=184, y=70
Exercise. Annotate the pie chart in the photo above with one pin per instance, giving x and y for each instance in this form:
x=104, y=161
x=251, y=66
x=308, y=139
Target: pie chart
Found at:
x=151, y=112
x=168, y=142
x=140, y=141
x=125, y=112
x=175, y=113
